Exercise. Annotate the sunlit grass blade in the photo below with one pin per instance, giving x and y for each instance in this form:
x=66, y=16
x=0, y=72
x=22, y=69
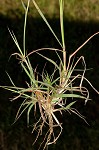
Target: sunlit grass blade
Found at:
x=69, y=96
x=29, y=75
x=25, y=21
x=58, y=96
x=61, y=4
x=28, y=112
x=10, y=79
x=15, y=41
x=45, y=20
x=23, y=5
x=68, y=106
x=50, y=60
x=20, y=112
x=45, y=84
x=30, y=69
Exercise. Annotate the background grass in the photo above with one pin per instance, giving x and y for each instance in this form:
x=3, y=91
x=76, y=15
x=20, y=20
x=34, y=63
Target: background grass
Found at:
x=81, y=21
x=74, y=9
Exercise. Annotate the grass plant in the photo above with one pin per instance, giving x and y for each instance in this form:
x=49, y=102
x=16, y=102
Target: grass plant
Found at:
x=52, y=94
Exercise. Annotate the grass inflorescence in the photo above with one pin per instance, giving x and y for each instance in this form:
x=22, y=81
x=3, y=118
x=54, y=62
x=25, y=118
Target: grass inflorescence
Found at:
x=50, y=93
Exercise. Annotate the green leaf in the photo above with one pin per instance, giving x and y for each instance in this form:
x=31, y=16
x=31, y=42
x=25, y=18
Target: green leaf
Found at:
x=69, y=105
x=58, y=96
x=28, y=112
x=50, y=60
x=45, y=20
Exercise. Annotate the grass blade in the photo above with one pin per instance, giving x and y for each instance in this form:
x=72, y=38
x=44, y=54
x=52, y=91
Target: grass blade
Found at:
x=50, y=60
x=45, y=20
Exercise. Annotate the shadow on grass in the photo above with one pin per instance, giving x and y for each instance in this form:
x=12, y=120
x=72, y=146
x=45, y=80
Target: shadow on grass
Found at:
x=76, y=134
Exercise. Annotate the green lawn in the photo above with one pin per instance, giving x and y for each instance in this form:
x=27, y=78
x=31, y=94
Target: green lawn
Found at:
x=85, y=10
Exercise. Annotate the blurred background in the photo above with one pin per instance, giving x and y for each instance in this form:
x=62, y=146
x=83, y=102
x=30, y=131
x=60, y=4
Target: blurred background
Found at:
x=81, y=20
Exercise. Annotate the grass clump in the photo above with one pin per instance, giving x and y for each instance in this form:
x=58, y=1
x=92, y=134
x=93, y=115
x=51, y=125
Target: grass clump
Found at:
x=55, y=92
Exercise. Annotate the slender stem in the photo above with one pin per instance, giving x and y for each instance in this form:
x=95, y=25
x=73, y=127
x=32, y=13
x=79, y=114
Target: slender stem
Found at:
x=25, y=21
x=64, y=59
x=61, y=2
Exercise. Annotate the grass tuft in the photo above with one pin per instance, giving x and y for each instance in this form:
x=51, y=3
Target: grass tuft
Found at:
x=52, y=95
